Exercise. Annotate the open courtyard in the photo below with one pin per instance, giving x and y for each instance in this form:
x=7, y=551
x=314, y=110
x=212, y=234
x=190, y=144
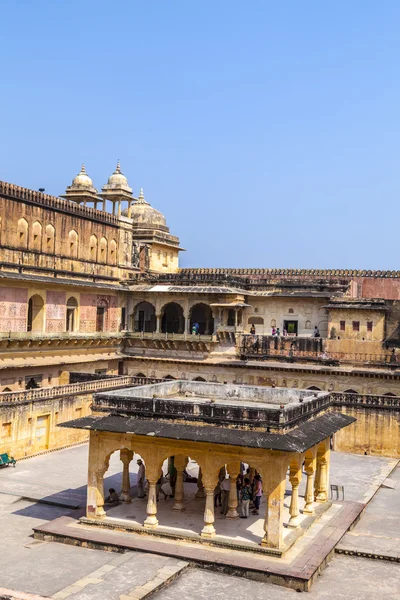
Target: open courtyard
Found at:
x=52, y=487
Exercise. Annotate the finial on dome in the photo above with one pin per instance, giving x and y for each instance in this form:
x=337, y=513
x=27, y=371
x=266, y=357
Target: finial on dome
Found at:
x=118, y=169
x=83, y=170
x=141, y=199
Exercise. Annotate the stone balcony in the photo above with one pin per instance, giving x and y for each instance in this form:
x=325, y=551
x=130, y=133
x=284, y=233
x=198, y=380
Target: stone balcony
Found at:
x=65, y=339
x=174, y=343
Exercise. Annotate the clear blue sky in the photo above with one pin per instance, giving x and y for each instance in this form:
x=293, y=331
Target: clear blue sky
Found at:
x=268, y=133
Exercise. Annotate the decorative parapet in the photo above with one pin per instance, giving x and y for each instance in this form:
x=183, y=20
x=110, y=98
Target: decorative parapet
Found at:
x=25, y=194
x=74, y=389
x=324, y=273
x=365, y=400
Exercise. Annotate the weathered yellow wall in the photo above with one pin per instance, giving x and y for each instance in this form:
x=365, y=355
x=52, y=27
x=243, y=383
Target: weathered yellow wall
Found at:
x=22, y=440
x=377, y=318
x=376, y=431
x=164, y=259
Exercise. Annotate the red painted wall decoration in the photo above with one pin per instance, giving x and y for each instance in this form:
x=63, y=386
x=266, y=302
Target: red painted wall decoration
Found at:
x=55, y=312
x=13, y=309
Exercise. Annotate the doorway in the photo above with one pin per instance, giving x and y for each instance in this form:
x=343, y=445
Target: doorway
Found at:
x=291, y=327
x=42, y=433
x=100, y=318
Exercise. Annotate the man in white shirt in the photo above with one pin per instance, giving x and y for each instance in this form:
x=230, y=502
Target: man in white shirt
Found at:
x=225, y=487
x=141, y=479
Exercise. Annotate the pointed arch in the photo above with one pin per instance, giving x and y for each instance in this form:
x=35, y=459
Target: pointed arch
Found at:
x=36, y=241
x=93, y=247
x=112, y=258
x=23, y=233
x=50, y=238
x=103, y=250
x=73, y=241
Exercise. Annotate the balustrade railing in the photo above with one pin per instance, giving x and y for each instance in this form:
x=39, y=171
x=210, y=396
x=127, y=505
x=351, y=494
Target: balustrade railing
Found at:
x=76, y=388
x=306, y=349
x=19, y=335
x=154, y=335
x=365, y=400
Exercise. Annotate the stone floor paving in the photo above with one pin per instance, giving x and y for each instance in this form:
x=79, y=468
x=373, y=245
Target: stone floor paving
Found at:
x=378, y=532
x=344, y=579
x=65, y=571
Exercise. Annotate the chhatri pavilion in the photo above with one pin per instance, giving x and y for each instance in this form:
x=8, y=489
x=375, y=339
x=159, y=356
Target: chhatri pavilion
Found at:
x=276, y=431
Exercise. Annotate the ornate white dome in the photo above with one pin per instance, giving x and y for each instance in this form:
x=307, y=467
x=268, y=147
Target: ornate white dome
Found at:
x=82, y=180
x=118, y=179
x=145, y=215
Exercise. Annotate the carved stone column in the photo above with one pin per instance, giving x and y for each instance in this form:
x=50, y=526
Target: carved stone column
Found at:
x=180, y=463
x=151, y=521
x=98, y=465
x=208, y=530
x=126, y=457
x=295, y=479
x=187, y=324
x=158, y=323
x=323, y=458
x=274, y=490
x=233, y=470
x=316, y=479
x=309, y=467
x=200, y=487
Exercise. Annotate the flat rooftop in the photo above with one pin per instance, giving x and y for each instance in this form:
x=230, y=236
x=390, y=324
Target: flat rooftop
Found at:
x=251, y=416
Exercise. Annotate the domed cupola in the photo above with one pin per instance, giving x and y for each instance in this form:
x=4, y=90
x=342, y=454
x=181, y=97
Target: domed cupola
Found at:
x=145, y=216
x=81, y=189
x=117, y=189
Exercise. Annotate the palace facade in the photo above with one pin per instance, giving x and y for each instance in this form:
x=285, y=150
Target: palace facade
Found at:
x=92, y=297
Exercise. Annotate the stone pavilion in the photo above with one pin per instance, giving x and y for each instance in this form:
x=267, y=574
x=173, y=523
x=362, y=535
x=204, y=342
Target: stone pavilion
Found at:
x=273, y=430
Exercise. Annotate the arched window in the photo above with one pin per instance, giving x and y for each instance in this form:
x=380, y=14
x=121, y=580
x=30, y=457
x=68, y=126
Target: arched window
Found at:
x=6, y=389
x=314, y=388
x=102, y=315
x=113, y=253
x=35, y=313
x=93, y=247
x=199, y=379
x=350, y=392
x=231, y=317
x=50, y=238
x=172, y=320
x=144, y=317
x=23, y=233
x=308, y=325
x=291, y=311
x=140, y=375
x=36, y=243
x=103, y=250
x=201, y=314
x=72, y=310
x=390, y=394
x=168, y=377
x=73, y=244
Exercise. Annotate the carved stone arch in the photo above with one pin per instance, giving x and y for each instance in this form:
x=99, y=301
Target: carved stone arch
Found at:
x=172, y=318
x=103, y=250
x=23, y=230
x=50, y=236
x=112, y=258
x=143, y=317
x=93, y=247
x=202, y=314
x=73, y=243
x=36, y=239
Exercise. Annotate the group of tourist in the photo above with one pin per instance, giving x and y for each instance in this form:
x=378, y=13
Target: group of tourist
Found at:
x=276, y=332
x=249, y=490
